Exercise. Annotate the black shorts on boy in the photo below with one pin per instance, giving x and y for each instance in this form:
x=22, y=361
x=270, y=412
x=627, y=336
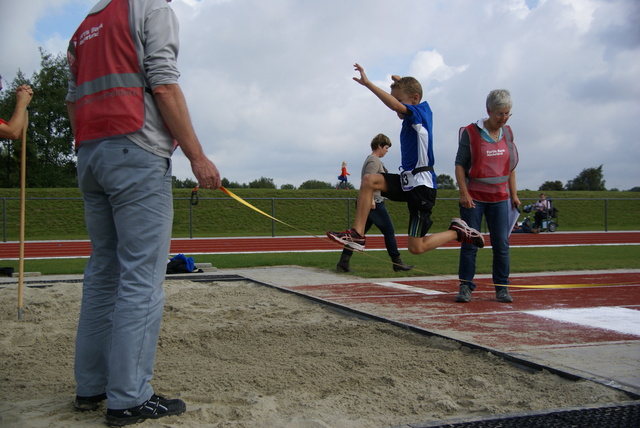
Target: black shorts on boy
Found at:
x=420, y=201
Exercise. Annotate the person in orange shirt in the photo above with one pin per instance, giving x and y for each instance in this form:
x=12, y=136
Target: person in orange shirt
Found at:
x=343, y=176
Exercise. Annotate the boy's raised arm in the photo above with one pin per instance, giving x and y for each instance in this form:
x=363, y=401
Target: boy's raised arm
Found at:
x=383, y=95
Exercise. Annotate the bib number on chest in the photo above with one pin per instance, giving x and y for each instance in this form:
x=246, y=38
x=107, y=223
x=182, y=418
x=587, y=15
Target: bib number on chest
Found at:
x=407, y=180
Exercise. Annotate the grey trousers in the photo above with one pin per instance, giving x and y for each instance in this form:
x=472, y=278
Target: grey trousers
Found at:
x=129, y=215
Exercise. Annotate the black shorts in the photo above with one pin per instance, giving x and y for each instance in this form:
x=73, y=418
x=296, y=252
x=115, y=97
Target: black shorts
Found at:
x=420, y=201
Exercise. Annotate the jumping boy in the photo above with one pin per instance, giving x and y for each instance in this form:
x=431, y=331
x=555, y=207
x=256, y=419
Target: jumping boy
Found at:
x=416, y=183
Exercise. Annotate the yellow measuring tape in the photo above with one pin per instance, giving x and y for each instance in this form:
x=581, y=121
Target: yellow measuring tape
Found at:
x=547, y=286
x=243, y=202
x=565, y=285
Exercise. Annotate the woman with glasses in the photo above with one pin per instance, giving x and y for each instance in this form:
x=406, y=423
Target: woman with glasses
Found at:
x=485, y=171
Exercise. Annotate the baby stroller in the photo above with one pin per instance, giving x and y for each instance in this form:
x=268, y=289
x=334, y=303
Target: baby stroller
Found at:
x=547, y=220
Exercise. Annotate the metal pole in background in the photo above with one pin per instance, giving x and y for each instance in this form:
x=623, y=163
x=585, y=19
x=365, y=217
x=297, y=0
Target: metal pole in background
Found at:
x=273, y=214
x=4, y=220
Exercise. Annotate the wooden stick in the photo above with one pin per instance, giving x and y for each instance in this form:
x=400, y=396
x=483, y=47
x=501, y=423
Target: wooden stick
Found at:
x=23, y=185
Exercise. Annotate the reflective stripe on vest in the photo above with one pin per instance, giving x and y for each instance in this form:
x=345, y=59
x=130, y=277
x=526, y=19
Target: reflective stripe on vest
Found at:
x=489, y=172
x=109, y=85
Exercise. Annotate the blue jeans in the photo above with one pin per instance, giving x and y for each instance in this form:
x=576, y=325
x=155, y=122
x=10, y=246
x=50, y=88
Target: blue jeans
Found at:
x=497, y=216
x=129, y=215
x=380, y=217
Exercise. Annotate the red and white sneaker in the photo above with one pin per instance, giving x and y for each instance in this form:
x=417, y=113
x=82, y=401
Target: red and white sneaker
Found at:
x=349, y=238
x=466, y=234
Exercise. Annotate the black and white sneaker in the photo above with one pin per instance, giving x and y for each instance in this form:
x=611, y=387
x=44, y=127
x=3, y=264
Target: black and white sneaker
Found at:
x=154, y=408
x=466, y=234
x=90, y=403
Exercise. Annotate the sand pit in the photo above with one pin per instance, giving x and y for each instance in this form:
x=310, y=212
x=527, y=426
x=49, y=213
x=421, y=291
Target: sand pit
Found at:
x=246, y=355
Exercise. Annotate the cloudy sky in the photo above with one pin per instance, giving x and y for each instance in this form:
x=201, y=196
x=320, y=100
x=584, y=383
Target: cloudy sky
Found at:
x=270, y=90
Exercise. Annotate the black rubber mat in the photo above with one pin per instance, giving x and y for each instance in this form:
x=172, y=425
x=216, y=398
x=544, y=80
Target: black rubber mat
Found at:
x=626, y=415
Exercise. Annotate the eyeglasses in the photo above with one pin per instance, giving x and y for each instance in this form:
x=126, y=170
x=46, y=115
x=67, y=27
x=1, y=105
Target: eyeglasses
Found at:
x=501, y=115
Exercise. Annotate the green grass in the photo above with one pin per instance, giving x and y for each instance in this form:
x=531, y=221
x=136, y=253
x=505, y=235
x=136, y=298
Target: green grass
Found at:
x=374, y=264
x=311, y=211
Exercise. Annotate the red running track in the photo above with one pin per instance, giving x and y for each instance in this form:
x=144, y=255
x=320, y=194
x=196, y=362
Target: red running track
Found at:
x=429, y=303
x=69, y=249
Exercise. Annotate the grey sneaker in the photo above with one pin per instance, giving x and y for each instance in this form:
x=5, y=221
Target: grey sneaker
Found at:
x=350, y=238
x=465, y=233
x=464, y=296
x=502, y=295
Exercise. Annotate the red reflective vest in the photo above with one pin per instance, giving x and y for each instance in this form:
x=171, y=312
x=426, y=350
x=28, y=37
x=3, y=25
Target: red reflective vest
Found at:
x=491, y=165
x=109, y=84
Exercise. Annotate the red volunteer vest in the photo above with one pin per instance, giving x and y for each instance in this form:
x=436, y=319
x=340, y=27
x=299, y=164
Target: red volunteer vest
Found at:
x=491, y=165
x=110, y=86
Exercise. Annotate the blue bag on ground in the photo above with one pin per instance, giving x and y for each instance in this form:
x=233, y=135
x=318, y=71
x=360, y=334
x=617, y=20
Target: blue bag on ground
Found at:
x=181, y=264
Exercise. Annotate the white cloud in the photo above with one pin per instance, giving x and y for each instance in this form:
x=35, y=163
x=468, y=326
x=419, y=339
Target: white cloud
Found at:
x=270, y=90
x=429, y=65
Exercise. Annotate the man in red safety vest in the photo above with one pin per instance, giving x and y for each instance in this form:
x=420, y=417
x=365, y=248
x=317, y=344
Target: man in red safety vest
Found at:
x=126, y=110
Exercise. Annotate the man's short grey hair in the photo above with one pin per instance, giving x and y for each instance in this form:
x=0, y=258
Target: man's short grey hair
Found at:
x=499, y=99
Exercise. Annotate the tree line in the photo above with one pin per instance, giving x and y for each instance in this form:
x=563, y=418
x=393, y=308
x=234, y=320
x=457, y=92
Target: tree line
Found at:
x=589, y=179
x=51, y=160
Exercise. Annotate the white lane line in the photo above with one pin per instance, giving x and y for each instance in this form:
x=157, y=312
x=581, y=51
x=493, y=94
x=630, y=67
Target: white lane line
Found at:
x=622, y=320
x=410, y=288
